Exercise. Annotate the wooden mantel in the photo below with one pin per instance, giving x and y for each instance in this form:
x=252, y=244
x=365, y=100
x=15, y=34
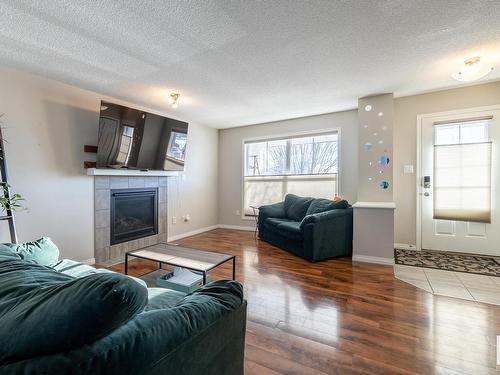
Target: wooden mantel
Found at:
x=129, y=172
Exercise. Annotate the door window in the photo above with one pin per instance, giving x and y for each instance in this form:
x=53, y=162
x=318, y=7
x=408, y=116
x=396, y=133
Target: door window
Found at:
x=462, y=171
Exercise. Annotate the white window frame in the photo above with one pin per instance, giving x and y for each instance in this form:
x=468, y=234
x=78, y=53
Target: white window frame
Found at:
x=270, y=137
x=131, y=141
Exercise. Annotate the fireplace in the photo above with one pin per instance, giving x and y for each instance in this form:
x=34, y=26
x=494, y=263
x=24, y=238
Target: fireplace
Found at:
x=134, y=214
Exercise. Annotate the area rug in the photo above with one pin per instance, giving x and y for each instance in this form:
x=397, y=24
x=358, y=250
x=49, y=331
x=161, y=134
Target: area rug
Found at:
x=458, y=262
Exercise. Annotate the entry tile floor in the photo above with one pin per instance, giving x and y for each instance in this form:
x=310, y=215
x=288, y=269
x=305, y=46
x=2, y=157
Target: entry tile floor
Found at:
x=462, y=285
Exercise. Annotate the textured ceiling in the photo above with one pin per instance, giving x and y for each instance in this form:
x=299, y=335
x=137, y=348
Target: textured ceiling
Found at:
x=245, y=62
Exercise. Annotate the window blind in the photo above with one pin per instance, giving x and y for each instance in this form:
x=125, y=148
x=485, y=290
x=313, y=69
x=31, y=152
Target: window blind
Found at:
x=462, y=182
x=304, y=165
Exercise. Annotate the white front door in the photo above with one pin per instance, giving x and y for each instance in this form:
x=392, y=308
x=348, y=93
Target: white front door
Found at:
x=459, y=192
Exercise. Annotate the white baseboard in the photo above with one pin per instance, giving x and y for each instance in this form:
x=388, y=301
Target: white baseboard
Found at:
x=191, y=233
x=90, y=261
x=236, y=227
x=405, y=246
x=370, y=259
x=112, y=262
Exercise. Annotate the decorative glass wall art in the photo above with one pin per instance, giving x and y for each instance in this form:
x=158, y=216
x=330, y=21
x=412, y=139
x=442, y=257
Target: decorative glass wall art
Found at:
x=384, y=159
x=384, y=185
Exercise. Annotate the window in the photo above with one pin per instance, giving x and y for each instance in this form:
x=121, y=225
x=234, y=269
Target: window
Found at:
x=303, y=165
x=125, y=144
x=462, y=171
x=177, y=145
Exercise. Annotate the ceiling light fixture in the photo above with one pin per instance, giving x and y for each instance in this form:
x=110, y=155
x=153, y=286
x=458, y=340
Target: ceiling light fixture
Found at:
x=472, y=70
x=174, y=99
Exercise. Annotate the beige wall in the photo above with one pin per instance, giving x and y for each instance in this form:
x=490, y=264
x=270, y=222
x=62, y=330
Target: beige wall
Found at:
x=405, y=140
x=406, y=110
x=231, y=154
x=194, y=192
x=373, y=234
x=46, y=124
x=375, y=129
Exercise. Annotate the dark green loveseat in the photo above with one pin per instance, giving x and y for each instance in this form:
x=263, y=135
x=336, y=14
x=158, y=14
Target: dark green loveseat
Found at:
x=314, y=229
x=70, y=318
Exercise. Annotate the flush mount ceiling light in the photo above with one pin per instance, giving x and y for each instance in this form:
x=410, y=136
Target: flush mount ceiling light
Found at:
x=174, y=99
x=472, y=70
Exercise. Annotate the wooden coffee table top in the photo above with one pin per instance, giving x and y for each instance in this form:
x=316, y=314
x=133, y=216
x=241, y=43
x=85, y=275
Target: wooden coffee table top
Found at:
x=180, y=256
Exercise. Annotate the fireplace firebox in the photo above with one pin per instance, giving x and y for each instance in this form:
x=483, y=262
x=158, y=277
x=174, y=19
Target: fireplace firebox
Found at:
x=134, y=214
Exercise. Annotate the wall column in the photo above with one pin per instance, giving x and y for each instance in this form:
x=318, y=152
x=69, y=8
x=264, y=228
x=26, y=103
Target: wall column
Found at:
x=374, y=210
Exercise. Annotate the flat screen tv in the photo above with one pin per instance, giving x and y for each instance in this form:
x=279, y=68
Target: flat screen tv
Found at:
x=134, y=139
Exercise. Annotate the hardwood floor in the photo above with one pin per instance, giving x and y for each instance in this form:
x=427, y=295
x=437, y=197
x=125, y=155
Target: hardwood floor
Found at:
x=339, y=317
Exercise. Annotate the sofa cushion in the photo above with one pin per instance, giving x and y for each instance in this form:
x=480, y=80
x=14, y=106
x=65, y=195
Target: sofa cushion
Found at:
x=206, y=300
x=79, y=269
x=73, y=268
x=296, y=207
x=275, y=221
x=321, y=205
x=7, y=254
x=43, y=311
x=291, y=230
x=162, y=298
x=42, y=251
x=272, y=223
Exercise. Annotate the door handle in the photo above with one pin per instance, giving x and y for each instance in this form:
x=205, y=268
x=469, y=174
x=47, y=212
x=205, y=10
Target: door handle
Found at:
x=426, y=194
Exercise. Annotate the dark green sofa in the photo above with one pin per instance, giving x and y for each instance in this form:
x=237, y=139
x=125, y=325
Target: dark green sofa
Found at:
x=314, y=229
x=69, y=318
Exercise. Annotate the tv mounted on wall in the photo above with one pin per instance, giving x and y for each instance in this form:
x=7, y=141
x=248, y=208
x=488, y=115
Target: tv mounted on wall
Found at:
x=130, y=138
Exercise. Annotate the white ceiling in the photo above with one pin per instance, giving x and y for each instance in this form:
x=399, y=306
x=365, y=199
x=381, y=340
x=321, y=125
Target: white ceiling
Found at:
x=246, y=62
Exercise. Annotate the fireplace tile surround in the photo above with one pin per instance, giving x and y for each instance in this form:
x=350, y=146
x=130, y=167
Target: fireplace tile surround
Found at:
x=104, y=252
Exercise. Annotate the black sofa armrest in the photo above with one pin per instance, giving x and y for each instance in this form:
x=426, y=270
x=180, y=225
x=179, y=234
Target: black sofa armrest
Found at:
x=211, y=297
x=325, y=216
x=273, y=210
x=328, y=234
x=276, y=210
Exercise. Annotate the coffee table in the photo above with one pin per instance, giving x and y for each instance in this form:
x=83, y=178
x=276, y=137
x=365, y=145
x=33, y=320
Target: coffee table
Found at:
x=179, y=256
